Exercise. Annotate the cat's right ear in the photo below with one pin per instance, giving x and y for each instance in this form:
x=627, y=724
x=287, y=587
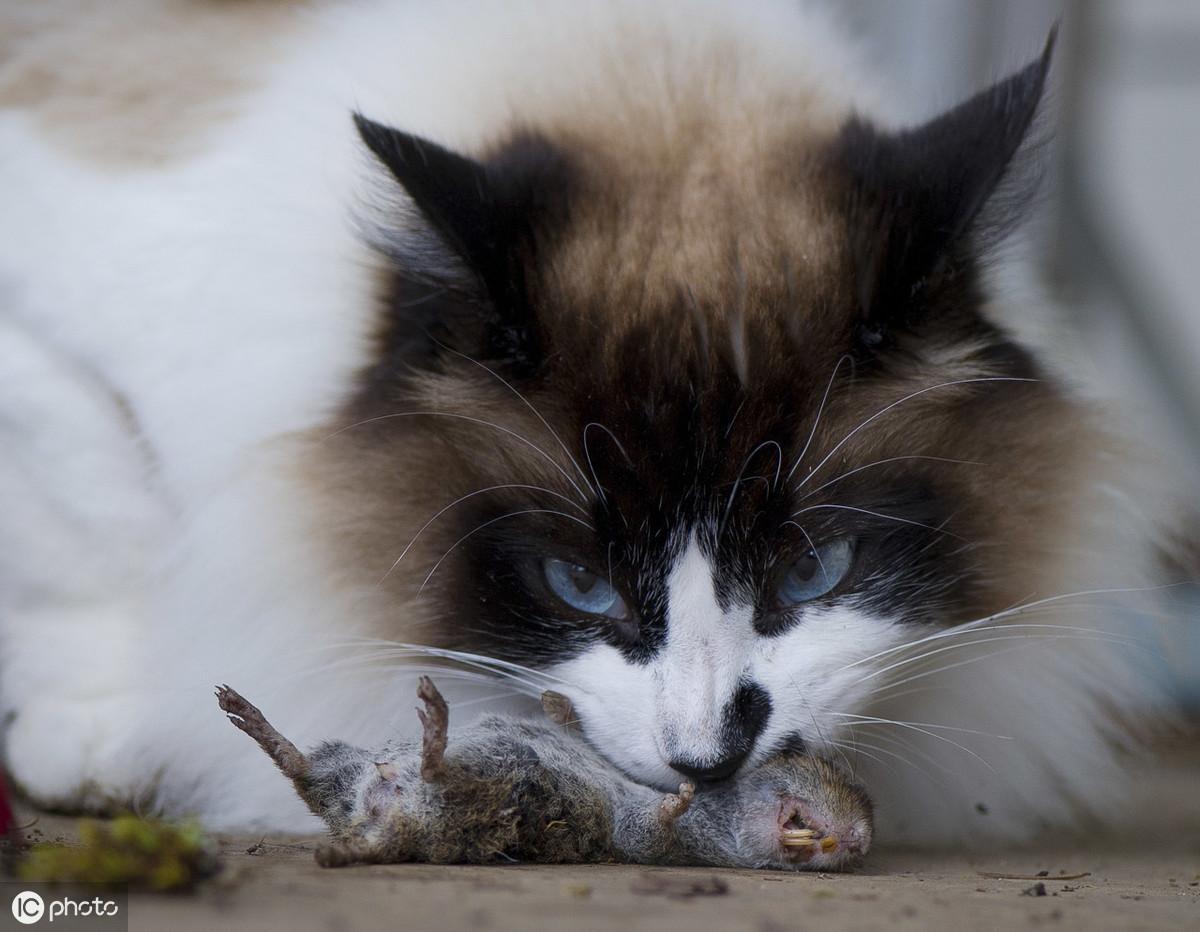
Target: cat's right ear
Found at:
x=479, y=223
x=451, y=192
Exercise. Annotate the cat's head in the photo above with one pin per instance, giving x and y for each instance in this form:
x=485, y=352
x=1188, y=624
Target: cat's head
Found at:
x=698, y=416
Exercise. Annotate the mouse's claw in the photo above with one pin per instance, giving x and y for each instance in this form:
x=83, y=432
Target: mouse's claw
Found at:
x=674, y=805
x=435, y=719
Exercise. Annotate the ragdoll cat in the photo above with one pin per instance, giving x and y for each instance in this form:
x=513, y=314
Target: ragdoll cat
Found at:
x=630, y=350
x=521, y=790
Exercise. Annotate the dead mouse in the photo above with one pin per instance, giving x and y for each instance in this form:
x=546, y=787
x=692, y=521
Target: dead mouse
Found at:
x=514, y=789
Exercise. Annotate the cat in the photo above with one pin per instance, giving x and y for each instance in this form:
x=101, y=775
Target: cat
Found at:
x=626, y=350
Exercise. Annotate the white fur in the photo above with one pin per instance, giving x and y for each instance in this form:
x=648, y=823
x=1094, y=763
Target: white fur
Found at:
x=163, y=335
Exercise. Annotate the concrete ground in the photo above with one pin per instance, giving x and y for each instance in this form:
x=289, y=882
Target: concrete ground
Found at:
x=1146, y=877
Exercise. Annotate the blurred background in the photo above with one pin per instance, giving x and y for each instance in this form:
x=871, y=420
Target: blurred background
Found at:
x=1117, y=245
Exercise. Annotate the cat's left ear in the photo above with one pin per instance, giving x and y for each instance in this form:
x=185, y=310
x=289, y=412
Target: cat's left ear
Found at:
x=917, y=197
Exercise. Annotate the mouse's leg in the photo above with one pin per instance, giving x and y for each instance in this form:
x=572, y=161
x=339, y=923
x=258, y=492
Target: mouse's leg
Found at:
x=435, y=719
x=345, y=852
x=645, y=831
x=674, y=805
x=249, y=719
x=287, y=757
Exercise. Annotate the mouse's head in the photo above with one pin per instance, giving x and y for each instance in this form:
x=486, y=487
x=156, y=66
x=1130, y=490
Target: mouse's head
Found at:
x=801, y=811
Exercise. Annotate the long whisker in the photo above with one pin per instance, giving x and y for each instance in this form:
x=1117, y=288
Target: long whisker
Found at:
x=1017, y=610
x=875, y=720
x=959, y=645
x=874, y=514
x=491, y=521
x=951, y=742
x=886, y=694
x=1097, y=633
x=525, y=401
x=891, y=459
x=474, y=420
x=857, y=746
x=481, y=661
x=811, y=546
x=463, y=498
x=895, y=742
x=882, y=411
x=588, y=454
x=817, y=420
x=741, y=472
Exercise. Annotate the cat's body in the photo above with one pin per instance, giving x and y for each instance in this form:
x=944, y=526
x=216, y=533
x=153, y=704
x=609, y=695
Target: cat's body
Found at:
x=240, y=374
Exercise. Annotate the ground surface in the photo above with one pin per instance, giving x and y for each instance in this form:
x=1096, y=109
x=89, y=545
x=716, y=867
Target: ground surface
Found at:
x=1146, y=877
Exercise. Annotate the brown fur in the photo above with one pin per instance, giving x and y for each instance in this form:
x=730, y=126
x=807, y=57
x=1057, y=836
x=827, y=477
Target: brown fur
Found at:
x=131, y=83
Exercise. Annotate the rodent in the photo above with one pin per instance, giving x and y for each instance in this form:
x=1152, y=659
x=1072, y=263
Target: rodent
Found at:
x=516, y=789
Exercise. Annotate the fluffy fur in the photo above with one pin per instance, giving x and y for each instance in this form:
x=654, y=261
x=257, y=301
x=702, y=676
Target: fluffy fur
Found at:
x=212, y=375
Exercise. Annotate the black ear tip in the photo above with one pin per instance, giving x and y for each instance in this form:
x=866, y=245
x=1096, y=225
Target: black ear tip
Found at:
x=1051, y=41
x=1047, y=56
x=368, y=130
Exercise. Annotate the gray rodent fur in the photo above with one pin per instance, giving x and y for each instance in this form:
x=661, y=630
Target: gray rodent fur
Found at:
x=515, y=789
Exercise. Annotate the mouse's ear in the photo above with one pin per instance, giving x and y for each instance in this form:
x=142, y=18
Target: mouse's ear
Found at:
x=917, y=196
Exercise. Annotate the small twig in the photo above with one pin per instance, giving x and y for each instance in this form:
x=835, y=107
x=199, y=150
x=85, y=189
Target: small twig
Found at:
x=994, y=876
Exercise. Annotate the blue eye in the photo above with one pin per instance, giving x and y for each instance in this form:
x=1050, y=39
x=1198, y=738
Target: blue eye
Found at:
x=582, y=589
x=816, y=573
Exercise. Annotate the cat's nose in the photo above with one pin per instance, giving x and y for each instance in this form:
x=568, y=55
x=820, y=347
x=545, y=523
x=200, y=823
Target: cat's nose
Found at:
x=743, y=720
x=711, y=772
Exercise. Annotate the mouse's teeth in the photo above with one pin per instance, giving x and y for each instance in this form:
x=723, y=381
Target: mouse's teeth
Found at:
x=798, y=838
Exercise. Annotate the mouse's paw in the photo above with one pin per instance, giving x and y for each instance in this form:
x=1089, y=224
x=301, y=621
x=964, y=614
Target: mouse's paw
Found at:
x=674, y=805
x=242, y=712
x=435, y=720
x=558, y=708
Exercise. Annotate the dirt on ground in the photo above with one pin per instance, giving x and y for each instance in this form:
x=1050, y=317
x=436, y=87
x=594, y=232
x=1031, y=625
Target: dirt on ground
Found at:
x=1145, y=877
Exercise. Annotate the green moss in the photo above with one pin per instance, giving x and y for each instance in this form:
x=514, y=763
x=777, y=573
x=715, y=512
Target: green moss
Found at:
x=127, y=850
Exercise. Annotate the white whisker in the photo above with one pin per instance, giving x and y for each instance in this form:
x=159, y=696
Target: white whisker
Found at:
x=474, y=420
x=1017, y=636
x=882, y=411
x=737, y=482
x=811, y=546
x=491, y=521
x=525, y=401
x=885, y=694
x=588, y=455
x=463, y=498
x=874, y=514
x=979, y=623
x=891, y=459
x=875, y=720
x=817, y=420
